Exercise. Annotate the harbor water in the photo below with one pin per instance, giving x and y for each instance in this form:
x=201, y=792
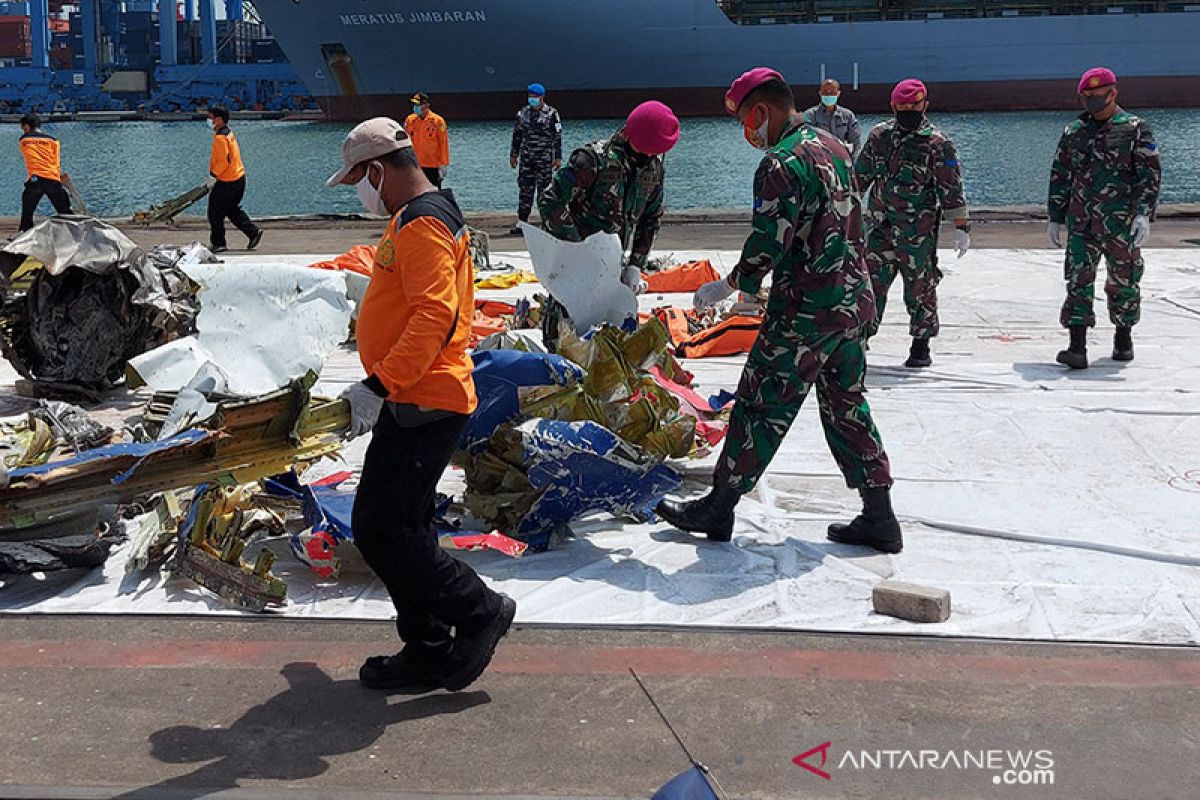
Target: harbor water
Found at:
x=124, y=166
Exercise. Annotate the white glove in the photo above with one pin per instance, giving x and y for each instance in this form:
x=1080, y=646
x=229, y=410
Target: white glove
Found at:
x=962, y=241
x=712, y=293
x=442, y=170
x=1140, y=229
x=1054, y=232
x=631, y=276
x=210, y=182
x=365, y=406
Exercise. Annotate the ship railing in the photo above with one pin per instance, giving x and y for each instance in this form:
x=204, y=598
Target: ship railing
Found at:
x=772, y=12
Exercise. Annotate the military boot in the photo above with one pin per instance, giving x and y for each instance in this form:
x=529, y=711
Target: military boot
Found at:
x=1123, y=344
x=711, y=515
x=1075, y=356
x=875, y=527
x=918, y=354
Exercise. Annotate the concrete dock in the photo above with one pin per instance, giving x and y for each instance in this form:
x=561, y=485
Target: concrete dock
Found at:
x=190, y=707
x=1018, y=227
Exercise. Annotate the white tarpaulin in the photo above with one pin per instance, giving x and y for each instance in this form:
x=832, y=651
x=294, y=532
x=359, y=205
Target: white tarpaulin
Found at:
x=1052, y=504
x=261, y=326
x=584, y=276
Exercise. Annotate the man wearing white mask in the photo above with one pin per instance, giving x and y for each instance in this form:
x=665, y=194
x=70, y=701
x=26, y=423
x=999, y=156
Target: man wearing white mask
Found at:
x=414, y=326
x=830, y=115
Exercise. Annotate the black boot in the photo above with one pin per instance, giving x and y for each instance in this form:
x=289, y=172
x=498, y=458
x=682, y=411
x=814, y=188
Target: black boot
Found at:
x=875, y=527
x=1075, y=356
x=1123, y=344
x=918, y=354
x=411, y=671
x=711, y=515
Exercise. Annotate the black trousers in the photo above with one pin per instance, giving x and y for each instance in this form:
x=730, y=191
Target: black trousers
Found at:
x=225, y=202
x=37, y=188
x=434, y=175
x=393, y=528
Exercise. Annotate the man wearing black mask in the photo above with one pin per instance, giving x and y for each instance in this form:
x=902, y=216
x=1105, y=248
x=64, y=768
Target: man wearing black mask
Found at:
x=913, y=168
x=1104, y=187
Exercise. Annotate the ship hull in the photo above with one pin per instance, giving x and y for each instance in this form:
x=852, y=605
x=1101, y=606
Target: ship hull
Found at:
x=991, y=96
x=601, y=57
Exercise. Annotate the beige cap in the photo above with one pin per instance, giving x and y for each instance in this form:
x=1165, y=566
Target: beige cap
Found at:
x=371, y=139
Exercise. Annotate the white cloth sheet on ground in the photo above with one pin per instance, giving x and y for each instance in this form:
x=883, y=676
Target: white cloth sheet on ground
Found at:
x=1052, y=504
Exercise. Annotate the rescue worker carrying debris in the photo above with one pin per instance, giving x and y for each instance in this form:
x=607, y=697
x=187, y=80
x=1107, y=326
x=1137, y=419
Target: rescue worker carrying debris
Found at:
x=414, y=326
x=808, y=236
x=227, y=182
x=537, y=147
x=41, y=153
x=913, y=170
x=1104, y=187
x=613, y=186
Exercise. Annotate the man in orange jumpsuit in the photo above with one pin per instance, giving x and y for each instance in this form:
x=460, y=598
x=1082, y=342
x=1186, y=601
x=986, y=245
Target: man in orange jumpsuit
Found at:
x=427, y=131
x=227, y=182
x=414, y=326
x=41, y=152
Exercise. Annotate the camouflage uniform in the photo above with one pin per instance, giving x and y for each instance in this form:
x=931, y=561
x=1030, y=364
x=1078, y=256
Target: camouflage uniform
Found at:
x=605, y=187
x=537, y=144
x=1104, y=175
x=917, y=181
x=808, y=235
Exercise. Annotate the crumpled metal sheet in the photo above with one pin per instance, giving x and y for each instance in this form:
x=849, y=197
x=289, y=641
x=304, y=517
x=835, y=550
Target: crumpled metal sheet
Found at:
x=619, y=392
x=79, y=540
x=584, y=276
x=498, y=376
x=61, y=242
x=99, y=301
x=328, y=512
x=536, y=478
x=260, y=327
x=252, y=439
x=220, y=523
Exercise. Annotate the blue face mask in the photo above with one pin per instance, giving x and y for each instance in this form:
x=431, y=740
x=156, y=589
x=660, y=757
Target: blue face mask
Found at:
x=416, y=109
x=535, y=101
x=830, y=100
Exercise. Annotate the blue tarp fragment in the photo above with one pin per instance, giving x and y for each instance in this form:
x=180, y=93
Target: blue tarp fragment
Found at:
x=498, y=375
x=721, y=399
x=584, y=468
x=689, y=785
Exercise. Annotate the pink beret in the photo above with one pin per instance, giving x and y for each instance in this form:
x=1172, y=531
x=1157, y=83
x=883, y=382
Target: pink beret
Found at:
x=745, y=84
x=1096, y=77
x=652, y=128
x=909, y=90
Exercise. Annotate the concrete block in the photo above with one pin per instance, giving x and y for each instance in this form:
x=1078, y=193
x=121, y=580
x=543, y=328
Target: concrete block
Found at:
x=911, y=602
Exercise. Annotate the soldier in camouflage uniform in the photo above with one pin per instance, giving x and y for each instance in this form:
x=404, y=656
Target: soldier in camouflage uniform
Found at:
x=537, y=147
x=1104, y=188
x=613, y=186
x=807, y=234
x=913, y=168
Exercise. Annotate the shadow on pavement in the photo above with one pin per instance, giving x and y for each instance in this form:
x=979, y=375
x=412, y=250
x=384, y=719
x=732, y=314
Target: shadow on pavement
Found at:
x=290, y=736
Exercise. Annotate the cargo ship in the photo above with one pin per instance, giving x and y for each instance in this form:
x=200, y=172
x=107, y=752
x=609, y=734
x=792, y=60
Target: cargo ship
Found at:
x=600, y=57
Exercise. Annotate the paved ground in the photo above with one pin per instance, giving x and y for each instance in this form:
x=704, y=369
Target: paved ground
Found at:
x=187, y=708
x=690, y=231
x=182, y=708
